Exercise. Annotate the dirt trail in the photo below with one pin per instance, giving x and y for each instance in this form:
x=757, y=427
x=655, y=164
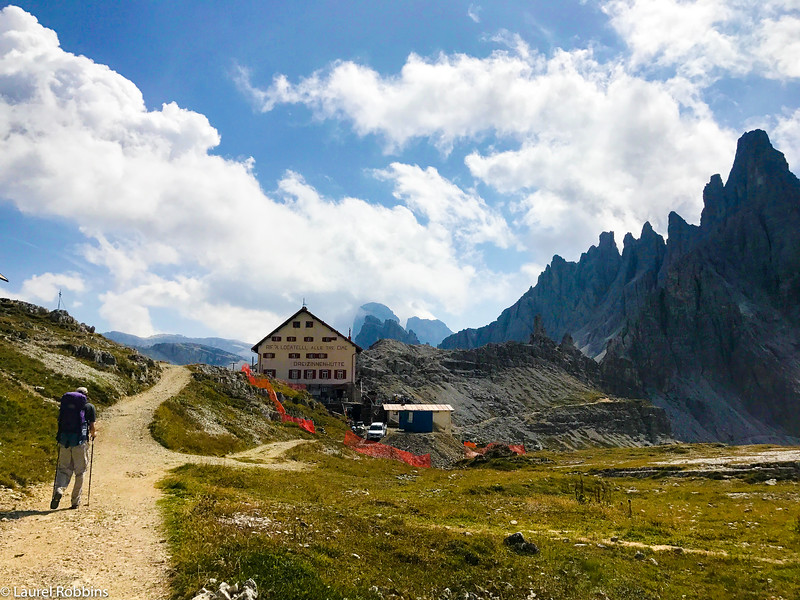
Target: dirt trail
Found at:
x=116, y=543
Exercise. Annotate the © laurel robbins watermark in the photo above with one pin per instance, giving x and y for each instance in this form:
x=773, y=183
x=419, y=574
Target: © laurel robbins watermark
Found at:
x=57, y=591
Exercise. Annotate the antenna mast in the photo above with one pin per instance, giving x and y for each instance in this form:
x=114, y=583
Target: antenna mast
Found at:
x=59, y=300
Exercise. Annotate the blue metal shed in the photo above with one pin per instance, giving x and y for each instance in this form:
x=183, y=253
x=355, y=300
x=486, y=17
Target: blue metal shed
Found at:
x=416, y=421
x=420, y=418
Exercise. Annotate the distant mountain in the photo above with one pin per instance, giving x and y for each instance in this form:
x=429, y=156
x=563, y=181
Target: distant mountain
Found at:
x=417, y=330
x=372, y=309
x=373, y=330
x=239, y=348
x=707, y=325
x=189, y=354
x=429, y=331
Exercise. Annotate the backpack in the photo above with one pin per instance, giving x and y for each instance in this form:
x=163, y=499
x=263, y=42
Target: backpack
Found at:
x=72, y=415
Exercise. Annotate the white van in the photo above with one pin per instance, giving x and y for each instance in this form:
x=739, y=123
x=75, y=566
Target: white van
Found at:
x=376, y=431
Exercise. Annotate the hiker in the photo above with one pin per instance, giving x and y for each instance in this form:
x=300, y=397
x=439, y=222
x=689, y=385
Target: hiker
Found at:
x=76, y=419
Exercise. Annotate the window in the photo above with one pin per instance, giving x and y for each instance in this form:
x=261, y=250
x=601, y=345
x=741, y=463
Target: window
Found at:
x=291, y=338
x=270, y=373
x=311, y=355
x=324, y=373
x=276, y=338
x=294, y=355
x=340, y=374
x=296, y=324
x=294, y=373
x=269, y=355
x=310, y=374
x=308, y=339
x=329, y=339
x=309, y=323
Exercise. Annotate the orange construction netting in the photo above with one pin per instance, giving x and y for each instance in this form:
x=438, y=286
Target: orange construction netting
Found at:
x=351, y=440
x=471, y=449
x=306, y=424
x=264, y=384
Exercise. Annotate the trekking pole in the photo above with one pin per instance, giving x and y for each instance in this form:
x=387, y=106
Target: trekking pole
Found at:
x=91, y=464
x=58, y=455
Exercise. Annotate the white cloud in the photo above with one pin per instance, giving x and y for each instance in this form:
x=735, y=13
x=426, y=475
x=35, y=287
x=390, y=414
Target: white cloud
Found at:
x=702, y=38
x=602, y=146
x=44, y=288
x=576, y=146
x=450, y=211
x=181, y=229
x=786, y=135
x=615, y=151
x=777, y=45
x=446, y=99
x=474, y=13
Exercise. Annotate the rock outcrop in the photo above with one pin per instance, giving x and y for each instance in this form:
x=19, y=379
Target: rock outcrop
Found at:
x=540, y=393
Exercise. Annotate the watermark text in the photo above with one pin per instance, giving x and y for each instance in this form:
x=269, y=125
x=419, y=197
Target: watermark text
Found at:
x=53, y=591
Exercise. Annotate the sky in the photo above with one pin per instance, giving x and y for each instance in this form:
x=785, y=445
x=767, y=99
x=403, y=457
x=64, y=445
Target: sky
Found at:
x=205, y=168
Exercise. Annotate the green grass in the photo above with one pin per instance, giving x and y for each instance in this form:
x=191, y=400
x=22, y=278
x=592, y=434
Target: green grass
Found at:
x=27, y=436
x=203, y=420
x=349, y=523
x=27, y=422
x=35, y=373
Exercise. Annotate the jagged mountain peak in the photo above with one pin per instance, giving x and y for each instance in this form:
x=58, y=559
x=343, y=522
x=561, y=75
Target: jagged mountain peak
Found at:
x=755, y=156
x=707, y=324
x=759, y=175
x=606, y=241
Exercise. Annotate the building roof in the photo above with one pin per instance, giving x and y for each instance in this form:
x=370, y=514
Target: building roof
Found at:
x=310, y=314
x=418, y=407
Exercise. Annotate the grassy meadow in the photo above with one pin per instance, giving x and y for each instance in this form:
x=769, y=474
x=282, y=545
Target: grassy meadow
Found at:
x=349, y=526
x=203, y=419
x=28, y=386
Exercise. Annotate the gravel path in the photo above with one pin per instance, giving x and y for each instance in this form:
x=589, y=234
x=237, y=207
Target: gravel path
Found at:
x=117, y=543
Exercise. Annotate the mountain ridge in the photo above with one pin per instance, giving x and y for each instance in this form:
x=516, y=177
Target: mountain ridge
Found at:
x=242, y=349
x=706, y=324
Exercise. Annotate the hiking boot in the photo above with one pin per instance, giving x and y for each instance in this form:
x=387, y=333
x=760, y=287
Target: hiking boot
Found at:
x=56, y=499
x=74, y=506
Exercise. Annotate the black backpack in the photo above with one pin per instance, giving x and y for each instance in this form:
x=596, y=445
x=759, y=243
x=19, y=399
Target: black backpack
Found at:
x=72, y=415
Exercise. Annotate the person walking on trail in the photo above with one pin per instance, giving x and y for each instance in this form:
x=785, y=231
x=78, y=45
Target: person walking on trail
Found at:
x=76, y=419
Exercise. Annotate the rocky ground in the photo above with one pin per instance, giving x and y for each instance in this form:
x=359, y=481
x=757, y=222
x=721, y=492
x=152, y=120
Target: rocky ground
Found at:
x=542, y=395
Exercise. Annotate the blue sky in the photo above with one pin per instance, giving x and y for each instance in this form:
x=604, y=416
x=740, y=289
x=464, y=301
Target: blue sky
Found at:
x=204, y=167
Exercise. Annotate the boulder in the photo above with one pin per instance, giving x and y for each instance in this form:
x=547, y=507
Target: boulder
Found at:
x=518, y=543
